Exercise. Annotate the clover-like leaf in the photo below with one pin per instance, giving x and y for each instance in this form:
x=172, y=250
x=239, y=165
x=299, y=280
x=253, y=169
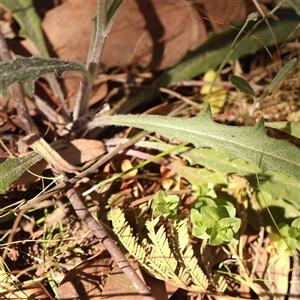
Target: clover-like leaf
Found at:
x=165, y=205
x=294, y=232
x=210, y=216
x=233, y=224
x=296, y=223
x=215, y=239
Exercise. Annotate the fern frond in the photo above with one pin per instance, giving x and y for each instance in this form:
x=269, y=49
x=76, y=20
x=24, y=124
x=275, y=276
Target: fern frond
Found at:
x=162, y=254
x=190, y=262
x=125, y=234
x=219, y=283
x=171, y=260
x=140, y=251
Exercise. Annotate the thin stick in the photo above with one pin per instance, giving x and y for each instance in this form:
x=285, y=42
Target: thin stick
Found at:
x=99, y=232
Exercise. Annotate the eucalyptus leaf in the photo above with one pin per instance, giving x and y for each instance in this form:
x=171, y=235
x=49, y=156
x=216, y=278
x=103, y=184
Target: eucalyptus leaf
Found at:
x=250, y=143
x=242, y=85
x=27, y=70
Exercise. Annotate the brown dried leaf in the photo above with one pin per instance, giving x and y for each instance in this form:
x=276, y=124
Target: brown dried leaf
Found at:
x=127, y=165
x=39, y=145
x=118, y=286
x=147, y=33
x=77, y=152
x=86, y=281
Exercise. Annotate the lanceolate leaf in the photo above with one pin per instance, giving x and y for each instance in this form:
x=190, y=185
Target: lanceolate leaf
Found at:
x=242, y=85
x=281, y=74
x=26, y=70
x=249, y=143
x=277, y=184
x=14, y=167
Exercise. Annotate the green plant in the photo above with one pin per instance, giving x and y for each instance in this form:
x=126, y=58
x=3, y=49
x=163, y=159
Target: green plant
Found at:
x=168, y=258
x=246, y=88
x=165, y=205
x=216, y=223
x=291, y=235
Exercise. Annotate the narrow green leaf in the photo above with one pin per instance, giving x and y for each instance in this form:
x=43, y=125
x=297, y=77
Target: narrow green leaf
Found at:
x=115, y=5
x=277, y=184
x=281, y=74
x=29, y=21
x=198, y=176
x=26, y=70
x=14, y=167
x=242, y=85
x=250, y=143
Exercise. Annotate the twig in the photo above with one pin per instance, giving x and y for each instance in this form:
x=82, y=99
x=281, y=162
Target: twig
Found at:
x=17, y=94
x=99, y=232
x=83, y=174
x=179, y=96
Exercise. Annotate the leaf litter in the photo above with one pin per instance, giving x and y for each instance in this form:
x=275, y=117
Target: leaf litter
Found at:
x=73, y=254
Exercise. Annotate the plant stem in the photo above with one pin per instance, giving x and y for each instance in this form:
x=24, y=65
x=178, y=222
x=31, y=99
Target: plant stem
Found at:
x=17, y=94
x=105, y=15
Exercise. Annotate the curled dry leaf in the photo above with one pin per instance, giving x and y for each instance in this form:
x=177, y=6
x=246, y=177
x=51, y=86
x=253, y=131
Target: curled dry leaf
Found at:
x=77, y=152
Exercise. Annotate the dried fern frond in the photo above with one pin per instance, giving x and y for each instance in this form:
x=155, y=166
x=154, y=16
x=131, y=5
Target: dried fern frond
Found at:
x=162, y=253
x=172, y=260
x=199, y=281
x=140, y=251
